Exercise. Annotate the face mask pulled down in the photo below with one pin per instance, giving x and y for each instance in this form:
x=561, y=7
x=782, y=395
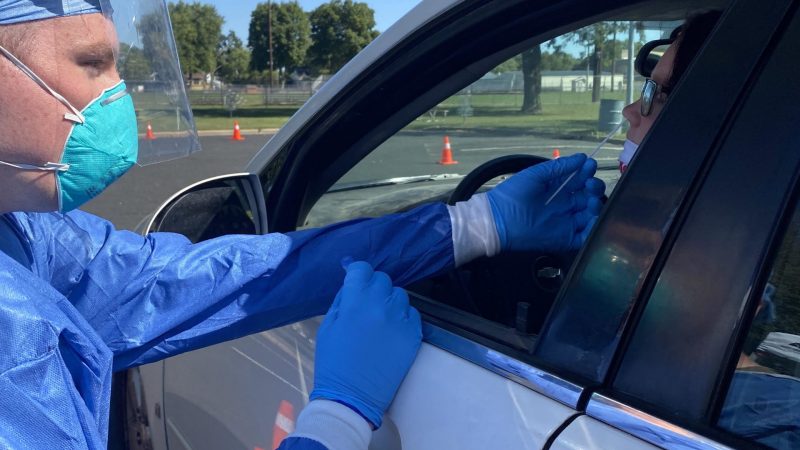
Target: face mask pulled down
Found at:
x=628, y=150
x=102, y=145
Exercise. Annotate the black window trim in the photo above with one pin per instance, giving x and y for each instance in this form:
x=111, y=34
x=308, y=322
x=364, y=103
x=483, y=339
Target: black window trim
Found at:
x=760, y=273
x=666, y=152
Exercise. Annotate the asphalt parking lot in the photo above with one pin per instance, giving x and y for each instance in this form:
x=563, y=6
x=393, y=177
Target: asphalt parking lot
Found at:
x=140, y=192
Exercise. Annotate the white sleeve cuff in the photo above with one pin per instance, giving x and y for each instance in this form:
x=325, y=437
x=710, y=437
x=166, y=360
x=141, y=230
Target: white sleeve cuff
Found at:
x=474, y=230
x=333, y=425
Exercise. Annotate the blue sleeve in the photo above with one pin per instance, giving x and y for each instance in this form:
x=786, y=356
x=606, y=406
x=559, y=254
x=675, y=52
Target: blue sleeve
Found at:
x=156, y=296
x=300, y=443
x=765, y=408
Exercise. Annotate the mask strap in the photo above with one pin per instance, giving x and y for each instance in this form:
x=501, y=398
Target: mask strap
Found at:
x=49, y=167
x=76, y=115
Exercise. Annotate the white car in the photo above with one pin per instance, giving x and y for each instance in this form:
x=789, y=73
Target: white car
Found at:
x=633, y=343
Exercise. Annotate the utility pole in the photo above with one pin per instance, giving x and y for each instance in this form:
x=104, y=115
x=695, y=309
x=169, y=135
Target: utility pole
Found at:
x=613, y=55
x=629, y=85
x=271, y=63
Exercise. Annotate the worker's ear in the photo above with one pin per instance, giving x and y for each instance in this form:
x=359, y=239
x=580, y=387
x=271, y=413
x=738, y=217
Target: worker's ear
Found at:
x=230, y=204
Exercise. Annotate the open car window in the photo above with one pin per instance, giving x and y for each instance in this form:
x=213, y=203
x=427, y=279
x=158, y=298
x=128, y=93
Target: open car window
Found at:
x=559, y=97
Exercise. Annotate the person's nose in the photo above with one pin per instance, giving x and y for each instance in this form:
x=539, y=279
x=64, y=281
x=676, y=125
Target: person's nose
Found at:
x=631, y=114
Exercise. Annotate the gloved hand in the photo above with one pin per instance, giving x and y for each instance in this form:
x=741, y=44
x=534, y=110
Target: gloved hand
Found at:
x=523, y=221
x=366, y=344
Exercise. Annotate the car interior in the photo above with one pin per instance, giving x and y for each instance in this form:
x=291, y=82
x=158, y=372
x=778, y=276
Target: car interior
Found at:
x=506, y=298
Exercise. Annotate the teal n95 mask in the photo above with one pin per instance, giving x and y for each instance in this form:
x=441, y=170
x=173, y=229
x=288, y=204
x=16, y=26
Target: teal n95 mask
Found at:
x=102, y=145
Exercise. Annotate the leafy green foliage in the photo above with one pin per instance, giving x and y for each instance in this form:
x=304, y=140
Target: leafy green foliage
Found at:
x=509, y=65
x=598, y=36
x=559, y=60
x=197, y=28
x=233, y=59
x=133, y=64
x=291, y=36
x=339, y=30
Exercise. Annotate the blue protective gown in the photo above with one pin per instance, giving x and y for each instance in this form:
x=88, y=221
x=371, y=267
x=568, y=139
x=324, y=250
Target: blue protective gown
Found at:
x=85, y=299
x=765, y=408
x=295, y=443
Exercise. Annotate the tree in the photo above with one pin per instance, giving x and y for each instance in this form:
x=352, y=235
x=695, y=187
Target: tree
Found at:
x=291, y=36
x=233, y=59
x=596, y=37
x=133, y=64
x=197, y=28
x=339, y=30
x=558, y=60
x=532, y=80
x=509, y=65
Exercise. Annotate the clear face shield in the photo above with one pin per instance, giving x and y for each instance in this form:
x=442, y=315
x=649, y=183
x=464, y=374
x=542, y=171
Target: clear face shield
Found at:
x=148, y=62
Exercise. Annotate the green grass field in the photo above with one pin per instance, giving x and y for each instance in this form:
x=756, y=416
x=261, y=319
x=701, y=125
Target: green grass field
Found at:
x=563, y=113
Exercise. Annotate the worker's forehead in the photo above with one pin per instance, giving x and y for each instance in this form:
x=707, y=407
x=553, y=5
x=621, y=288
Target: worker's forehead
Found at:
x=90, y=33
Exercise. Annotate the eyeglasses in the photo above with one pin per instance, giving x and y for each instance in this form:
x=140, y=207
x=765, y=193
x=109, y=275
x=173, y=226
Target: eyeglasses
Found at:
x=650, y=92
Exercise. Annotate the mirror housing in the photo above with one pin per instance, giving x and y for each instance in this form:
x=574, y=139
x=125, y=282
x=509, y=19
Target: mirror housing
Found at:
x=228, y=204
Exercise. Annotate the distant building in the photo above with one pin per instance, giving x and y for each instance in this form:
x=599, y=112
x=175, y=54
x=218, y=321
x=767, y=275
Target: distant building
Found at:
x=552, y=80
x=197, y=80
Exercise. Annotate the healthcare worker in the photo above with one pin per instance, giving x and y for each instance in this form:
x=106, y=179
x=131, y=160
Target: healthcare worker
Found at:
x=80, y=299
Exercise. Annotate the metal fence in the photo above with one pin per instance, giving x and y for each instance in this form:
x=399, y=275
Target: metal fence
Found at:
x=249, y=96
x=256, y=95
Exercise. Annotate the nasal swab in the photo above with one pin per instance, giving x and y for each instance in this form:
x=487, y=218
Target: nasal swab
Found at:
x=591, y=155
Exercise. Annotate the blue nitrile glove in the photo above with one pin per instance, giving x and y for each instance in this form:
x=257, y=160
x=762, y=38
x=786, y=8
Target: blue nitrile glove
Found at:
x=523, y=221
x=366, y=344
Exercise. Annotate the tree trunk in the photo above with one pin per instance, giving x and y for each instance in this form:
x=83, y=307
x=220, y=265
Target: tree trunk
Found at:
x=532, y=81
x=598, y=73
x=613, y=56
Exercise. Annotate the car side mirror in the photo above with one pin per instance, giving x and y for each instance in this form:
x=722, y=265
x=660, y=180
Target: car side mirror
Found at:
x=229, y=204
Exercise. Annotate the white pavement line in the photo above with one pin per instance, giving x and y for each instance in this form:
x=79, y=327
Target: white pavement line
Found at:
x=272, y=350
x=180, y=436
x=303, y=385
x=267, y=370
x=529, y=147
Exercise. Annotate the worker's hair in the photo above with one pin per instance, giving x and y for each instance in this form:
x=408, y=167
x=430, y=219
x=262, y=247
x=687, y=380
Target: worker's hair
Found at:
x=693, y=33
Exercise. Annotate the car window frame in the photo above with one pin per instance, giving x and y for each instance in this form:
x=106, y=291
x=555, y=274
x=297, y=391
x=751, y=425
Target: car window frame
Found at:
x=727, y=156
x=651, y=197
x=289, y=177
x=365, y=114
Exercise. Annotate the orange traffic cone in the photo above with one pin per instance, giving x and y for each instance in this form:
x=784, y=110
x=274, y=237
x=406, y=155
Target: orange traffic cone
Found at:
x=150, y=136
x=284, y=424
x=556, y=154
x=447, y=154
x=237, y=133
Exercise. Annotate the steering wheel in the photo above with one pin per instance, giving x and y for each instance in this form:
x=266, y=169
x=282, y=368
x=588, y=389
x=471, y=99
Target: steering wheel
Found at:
x=516, y=289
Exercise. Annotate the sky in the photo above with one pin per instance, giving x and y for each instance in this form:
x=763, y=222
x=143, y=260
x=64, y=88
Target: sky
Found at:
x=237, y=12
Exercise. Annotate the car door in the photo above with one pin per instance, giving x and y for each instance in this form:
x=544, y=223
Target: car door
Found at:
x=475, y=384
